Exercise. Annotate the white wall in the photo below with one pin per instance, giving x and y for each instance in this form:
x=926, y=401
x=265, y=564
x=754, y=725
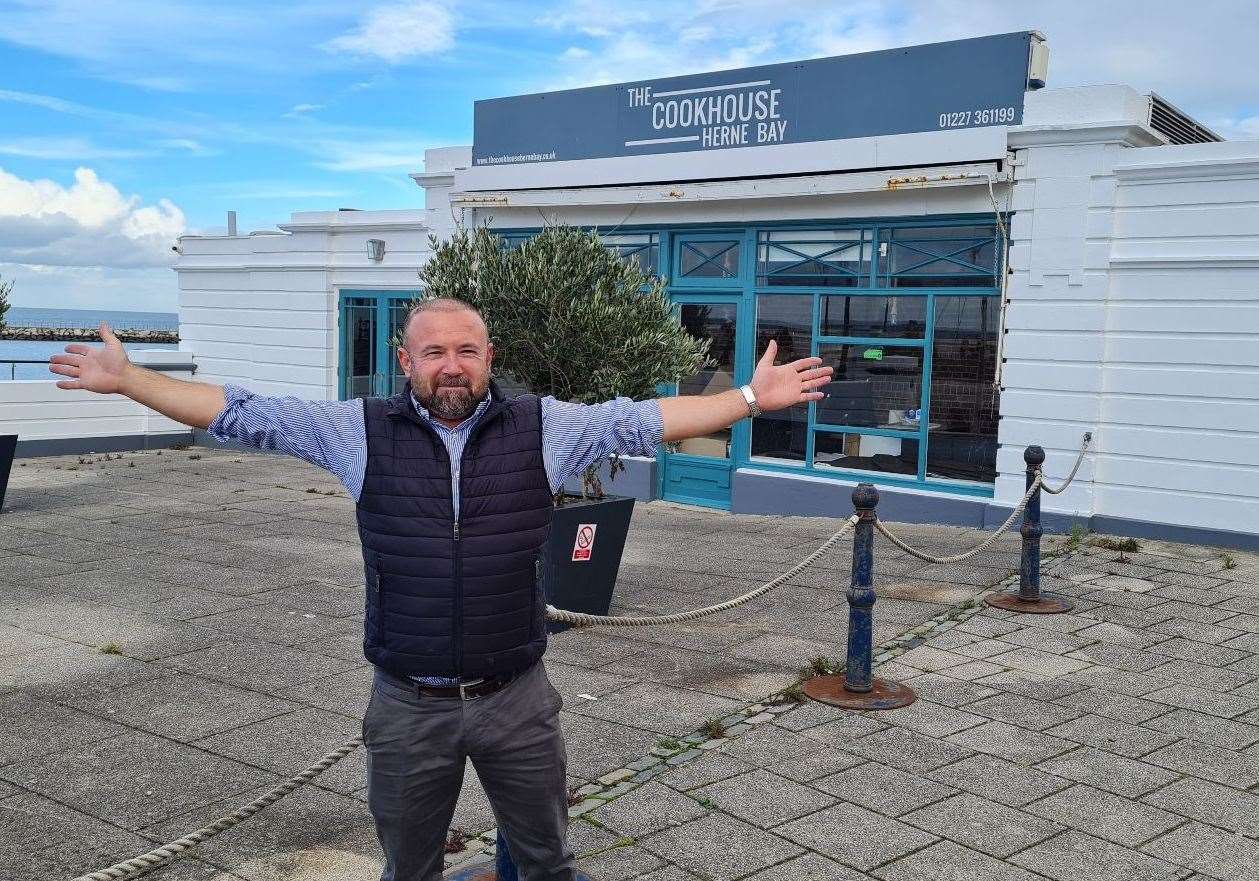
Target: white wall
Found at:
x=1180, y=390
x=1134, y=313
x=261, y=310
x=37, y=410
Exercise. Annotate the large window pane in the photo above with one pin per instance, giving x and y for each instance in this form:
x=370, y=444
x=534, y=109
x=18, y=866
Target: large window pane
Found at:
x=360, y=347
x=866, y=452
x=715, y=322
x=817, y=258
x=788, y=320
x=962, y=443
x=938, y=256
x=873, y=386
x=715, y=259
x=871, y=316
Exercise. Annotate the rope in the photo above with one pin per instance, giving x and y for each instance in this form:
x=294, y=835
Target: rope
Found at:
x=1038, y=483
x=582, y=618
x=1079, y=460
x=146, y=863
x=984, y=545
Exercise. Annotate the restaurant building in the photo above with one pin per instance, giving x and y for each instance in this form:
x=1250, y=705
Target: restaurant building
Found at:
x=986, y=263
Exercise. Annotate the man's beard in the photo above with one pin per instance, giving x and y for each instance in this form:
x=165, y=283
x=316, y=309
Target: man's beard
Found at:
x=458, y=401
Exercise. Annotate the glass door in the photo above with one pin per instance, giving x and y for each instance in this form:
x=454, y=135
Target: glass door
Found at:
x=369, y=320
x=697, y=470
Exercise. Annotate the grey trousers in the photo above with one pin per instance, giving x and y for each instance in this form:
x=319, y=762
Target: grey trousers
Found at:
x=416, y=750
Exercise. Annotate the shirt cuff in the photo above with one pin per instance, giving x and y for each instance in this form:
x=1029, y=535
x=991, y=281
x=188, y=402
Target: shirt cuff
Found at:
x=234, y=395
x=653, y=422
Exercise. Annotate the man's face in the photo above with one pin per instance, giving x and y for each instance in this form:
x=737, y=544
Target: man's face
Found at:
x=447, y=356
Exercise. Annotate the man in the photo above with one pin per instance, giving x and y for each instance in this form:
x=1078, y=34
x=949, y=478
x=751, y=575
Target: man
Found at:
x=454, y=486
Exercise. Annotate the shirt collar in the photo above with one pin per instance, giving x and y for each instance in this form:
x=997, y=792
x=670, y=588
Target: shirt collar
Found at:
x=427, y=417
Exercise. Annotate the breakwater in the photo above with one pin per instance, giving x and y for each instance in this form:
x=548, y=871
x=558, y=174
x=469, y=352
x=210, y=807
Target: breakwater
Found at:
x=85, y=335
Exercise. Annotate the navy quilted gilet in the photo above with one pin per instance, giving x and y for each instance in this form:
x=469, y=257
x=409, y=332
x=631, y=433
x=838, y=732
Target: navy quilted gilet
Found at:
x=447, y=598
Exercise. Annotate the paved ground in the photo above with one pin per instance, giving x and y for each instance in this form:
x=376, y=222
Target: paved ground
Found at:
x=1120, y=741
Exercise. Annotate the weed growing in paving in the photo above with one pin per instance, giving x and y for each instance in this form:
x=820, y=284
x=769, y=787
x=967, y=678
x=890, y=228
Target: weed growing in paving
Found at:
x=669, y=743
x=713, y=729
x=111, y=648
x=1125, y=545
x=819, y=666
x=1229, y=562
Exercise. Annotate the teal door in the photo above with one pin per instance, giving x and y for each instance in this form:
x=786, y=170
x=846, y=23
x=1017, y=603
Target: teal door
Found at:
x=367, y=365
x=698, y=470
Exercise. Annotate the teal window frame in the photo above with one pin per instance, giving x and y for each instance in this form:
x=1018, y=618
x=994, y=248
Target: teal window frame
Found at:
x=876, y=282
x=384, y=300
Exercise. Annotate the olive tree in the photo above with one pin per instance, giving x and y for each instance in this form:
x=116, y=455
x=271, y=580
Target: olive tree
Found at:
x=568, y=316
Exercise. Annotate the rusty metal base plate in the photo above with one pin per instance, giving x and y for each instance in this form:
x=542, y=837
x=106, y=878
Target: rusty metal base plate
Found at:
x=1048, y=604
x=885, y=694
x=486, y=872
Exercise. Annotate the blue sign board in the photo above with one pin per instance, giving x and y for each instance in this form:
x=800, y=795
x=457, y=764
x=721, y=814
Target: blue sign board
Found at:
x=938, y=87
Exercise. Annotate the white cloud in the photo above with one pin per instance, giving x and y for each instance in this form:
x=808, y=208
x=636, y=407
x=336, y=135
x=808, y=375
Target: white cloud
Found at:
x=399, y=32
x=89, y=223
x=371, y=155
x=74, y=149
x=93, y=287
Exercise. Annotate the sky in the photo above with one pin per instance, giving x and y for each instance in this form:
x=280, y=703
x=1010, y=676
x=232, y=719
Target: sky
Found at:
x=125, y=124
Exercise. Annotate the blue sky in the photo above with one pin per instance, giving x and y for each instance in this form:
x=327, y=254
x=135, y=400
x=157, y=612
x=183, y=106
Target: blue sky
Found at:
x=124, y=123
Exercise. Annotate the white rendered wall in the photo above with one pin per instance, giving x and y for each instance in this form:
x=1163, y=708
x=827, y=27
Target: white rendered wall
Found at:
x=261, y=310
x=1180, y=390
x=36, y=409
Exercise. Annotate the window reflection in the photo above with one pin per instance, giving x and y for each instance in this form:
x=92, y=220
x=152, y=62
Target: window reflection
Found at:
x=964, y=402
x=788, y=320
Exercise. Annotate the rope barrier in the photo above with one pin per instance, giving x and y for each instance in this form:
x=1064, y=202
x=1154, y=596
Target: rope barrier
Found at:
x=581, y=618
x=1038, y=483
x=982, y=546
x=145, y=863
x=1079, y=460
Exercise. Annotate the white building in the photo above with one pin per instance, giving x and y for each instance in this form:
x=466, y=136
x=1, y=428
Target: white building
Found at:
x=1130, y=303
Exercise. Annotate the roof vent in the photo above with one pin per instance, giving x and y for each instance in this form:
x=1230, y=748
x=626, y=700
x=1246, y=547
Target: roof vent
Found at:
x=1176, y=126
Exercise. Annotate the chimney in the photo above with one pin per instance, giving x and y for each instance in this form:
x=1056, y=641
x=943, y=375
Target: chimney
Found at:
x=231, y=223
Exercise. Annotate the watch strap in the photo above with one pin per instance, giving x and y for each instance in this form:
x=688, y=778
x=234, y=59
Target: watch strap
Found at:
x=754, y=409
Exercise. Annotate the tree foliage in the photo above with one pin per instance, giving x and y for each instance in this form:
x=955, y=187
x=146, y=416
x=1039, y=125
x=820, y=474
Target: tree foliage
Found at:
x=6, y=288
x=568, y=317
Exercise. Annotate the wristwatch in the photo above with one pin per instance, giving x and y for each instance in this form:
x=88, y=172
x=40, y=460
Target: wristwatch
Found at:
x=754, y=409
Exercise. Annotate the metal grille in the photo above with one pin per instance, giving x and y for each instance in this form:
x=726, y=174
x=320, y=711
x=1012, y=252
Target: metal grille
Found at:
x=1176, y=126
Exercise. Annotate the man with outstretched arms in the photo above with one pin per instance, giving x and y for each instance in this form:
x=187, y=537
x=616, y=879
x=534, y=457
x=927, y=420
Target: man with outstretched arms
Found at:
x=453, y=485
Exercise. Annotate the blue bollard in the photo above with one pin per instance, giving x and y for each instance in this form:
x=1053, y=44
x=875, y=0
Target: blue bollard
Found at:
x=857, y=689
x=1029, y=597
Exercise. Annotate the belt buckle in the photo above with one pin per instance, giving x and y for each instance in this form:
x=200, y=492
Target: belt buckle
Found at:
x=463, y=689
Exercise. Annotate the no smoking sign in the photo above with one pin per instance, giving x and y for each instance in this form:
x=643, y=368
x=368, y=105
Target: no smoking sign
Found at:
x=585, y=542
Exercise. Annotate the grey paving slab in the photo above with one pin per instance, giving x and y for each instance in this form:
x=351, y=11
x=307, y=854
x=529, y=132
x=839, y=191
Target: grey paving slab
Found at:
x=647, y=809
x=720, y=847
x=1010, y=742
x=1073, y=856
x=1022, y=711
x=769, y=745
x=1105, y=815
x=263, y=667
x=907, y=750
x=661, y=708
x=1126, y=777
x=855, y=836
x=999, y=780
x=947, y=861
x=1209, y=762
x=1210, y=851
x=1201, y=675
x=1229, y=734
x=764, y=799
x=1119, y=706
x=135, y=779
x=931, y=719
x=1132, y=741
x=808, y=867
x=883, y=789
x=708, y=768
x=620, y=864
x=34, y=728
x=284, y=743
x=1203, y=700
x=181, y=707
x=1187, y=650
x=596, y=746
x=1212, y=803
x=944, y=689
x=995, y=829
x=814, y=765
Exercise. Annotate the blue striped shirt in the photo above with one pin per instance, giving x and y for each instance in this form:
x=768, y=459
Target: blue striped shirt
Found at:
x=333, y=435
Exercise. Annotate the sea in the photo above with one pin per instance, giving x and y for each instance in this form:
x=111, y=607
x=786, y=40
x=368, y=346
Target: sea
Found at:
x=30, y=350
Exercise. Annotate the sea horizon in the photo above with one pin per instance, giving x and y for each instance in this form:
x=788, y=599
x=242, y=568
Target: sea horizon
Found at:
x=41, y=351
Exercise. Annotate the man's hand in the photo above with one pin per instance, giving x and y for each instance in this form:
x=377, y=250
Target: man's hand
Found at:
x=788, y=384
x=96, y=369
